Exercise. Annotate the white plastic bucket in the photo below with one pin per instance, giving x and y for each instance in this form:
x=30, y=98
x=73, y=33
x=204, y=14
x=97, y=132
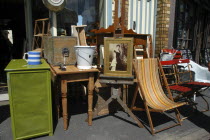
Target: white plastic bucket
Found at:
x=84, y=55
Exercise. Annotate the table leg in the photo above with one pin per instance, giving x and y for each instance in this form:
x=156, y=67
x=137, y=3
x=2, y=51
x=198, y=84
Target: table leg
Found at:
x=57, y=96
x=90, y=98
x=64, y=103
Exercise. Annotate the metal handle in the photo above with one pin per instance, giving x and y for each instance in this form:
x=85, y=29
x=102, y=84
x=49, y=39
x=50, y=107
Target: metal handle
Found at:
x=134, y=25
x=24, y=56
x=65, y=52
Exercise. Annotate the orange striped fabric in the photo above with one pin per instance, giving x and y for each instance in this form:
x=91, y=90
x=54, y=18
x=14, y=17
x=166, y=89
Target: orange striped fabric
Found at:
x=150, y=86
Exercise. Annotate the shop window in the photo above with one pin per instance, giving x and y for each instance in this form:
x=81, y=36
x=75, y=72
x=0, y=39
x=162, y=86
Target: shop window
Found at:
x=78, y=12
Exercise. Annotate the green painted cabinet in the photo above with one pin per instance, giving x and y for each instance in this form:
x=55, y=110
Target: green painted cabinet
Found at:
x=30, y=99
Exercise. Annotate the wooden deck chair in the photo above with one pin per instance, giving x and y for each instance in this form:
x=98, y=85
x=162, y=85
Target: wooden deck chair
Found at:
x=185, y=84
x=151, y=92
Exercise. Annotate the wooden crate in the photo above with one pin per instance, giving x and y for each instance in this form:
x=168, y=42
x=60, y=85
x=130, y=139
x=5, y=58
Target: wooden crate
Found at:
x=53, y=47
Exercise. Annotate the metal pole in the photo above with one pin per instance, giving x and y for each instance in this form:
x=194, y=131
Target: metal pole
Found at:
x=53, y=28
x=28, y=22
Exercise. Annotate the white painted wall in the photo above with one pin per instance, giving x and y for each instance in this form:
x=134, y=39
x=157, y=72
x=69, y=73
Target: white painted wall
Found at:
x=142, y=12
x=105, y=13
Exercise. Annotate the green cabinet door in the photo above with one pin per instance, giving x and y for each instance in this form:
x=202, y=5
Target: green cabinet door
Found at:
x=30, y=102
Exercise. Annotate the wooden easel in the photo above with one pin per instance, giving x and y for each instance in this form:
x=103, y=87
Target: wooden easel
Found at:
x=117, y=29
x=116, y=84
x=119, y=22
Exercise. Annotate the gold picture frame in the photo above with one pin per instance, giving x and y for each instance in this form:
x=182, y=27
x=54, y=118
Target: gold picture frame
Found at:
x=118, y=56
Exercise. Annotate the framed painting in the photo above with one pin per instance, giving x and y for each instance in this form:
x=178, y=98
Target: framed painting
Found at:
x=118, y=56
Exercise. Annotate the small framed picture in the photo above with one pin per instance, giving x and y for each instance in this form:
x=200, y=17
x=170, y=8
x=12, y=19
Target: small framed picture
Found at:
x=118, y=56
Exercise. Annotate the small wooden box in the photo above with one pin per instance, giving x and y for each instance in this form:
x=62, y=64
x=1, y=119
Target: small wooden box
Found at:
x=53, y=49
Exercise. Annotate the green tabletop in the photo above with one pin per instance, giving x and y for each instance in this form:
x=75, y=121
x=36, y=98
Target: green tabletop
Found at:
x=21, y=64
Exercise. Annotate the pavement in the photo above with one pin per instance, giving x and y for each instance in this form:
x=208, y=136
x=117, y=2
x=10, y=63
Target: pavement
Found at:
x=119, y=126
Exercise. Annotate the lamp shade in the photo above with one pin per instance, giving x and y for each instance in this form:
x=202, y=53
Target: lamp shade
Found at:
x=54, y=5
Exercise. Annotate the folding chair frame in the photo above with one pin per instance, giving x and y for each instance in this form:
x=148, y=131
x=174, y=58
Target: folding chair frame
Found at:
x=147, y=109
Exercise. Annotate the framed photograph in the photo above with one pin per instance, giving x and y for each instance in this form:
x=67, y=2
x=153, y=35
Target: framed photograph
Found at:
x=118, y=56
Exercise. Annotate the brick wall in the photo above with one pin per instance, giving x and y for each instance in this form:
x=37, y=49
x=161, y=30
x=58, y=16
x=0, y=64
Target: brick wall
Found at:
x=162, y=27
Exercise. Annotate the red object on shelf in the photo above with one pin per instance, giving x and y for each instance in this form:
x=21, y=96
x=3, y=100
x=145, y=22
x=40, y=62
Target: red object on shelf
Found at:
x=175, y=61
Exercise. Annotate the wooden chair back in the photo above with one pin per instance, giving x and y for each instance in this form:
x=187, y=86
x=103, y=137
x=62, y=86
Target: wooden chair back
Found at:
x=149, y=86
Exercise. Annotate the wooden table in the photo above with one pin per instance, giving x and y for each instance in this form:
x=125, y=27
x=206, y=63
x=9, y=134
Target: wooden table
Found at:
x=73, y=74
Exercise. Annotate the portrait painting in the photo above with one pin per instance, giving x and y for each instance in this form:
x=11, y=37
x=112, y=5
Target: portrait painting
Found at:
x=118, y=54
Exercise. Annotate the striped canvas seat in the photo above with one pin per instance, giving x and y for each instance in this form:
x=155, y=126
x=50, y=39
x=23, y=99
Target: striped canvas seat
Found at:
x=151, y=86
x=150, y=89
